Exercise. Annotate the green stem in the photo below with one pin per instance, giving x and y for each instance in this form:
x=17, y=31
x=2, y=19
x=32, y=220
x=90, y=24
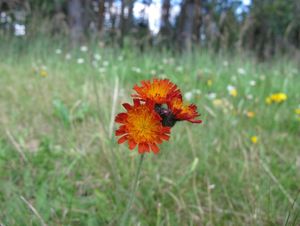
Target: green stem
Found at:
x=132, y=194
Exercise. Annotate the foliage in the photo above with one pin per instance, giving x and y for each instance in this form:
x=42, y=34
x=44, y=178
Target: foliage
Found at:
x=265, y=27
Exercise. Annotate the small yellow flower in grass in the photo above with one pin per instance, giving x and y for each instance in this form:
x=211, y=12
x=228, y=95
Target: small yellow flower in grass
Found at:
x=297, y=112
x=43, y=73
x=279, y=97
x=250, y=114
x=209, y=82
x=218, y=102
x=276, y=98
x=268, y=100
x=233, y=92
x=254, y=139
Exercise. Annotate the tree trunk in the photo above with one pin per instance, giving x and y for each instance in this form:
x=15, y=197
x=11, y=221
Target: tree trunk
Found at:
x=197, y=21
x=75, y=21
x=130, y=16
x=101, y=17
x=122, y=24
x=113, y=18
x=180, y=25
x=165, y=29
x=186, y=25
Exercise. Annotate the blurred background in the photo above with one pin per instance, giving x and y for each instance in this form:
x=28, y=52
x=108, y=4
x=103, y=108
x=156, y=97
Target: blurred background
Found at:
x=263, y=27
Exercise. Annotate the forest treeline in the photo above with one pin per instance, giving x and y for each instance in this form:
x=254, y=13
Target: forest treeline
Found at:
x=265, y=27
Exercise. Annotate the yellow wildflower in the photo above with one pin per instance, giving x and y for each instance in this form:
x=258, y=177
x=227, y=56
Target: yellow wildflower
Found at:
x=297, y=111
x=218, y=102
x=233, y=92
x=43, y=73
x=279, y=97
x=254, y=139
x=209, y=82
x=268, y=100
x=276, y=98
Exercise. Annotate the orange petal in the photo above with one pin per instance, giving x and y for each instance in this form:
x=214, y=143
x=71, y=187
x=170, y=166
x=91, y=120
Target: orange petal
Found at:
x=166, y=130
x=136, y=102
x=154, y=148
x=121, y=118
x=120, y=132
x=131, y=144
x=122, y=139
x=195, y=121
x=164, y=136
x=159, y=141
x=127, y=106
x=143, y=147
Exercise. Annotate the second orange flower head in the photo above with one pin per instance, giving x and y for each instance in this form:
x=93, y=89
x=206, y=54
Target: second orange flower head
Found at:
x=159, y=91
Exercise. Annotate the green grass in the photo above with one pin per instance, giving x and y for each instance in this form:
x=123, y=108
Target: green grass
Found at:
x=60, y=165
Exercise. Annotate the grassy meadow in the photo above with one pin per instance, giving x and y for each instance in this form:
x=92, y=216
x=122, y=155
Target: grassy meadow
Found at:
x=60, y=163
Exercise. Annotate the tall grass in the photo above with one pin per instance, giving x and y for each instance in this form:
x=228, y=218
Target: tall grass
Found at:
x=60, y=166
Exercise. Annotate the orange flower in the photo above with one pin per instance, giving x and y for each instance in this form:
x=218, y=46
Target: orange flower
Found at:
x=159, y=91
x=250, y=114
x=182, y=111
x=141, y=126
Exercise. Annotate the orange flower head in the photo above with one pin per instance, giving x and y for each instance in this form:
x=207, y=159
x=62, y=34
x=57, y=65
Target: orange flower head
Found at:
x=160, y=91
x=141, y=126
x=183, y=111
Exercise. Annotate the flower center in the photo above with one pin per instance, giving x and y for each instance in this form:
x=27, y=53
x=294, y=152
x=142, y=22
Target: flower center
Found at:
x=157, y=92
x=143, y=124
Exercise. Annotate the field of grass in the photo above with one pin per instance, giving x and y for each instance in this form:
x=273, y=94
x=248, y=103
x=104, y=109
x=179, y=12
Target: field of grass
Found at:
x=60, y=163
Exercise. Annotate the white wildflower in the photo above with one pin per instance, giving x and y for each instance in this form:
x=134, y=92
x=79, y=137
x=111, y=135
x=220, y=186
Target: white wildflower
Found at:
x=97, y=56
x=153, y=72
x=262, y=77
x=241, y=71
x=188, y=96
x=20, y=29
x=179, y=69
x=212, y=96
x=58, y=51
x=249, y=96
x=136, y=69
x=230, y=88
x=197, y=91
x=105, y=63
x=80, y=61
x=211, y=186
x=252, y=83
x=83, y=48
x=68, y=56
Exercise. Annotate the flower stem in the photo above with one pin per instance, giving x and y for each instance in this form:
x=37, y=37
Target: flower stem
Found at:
x=132, y=194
